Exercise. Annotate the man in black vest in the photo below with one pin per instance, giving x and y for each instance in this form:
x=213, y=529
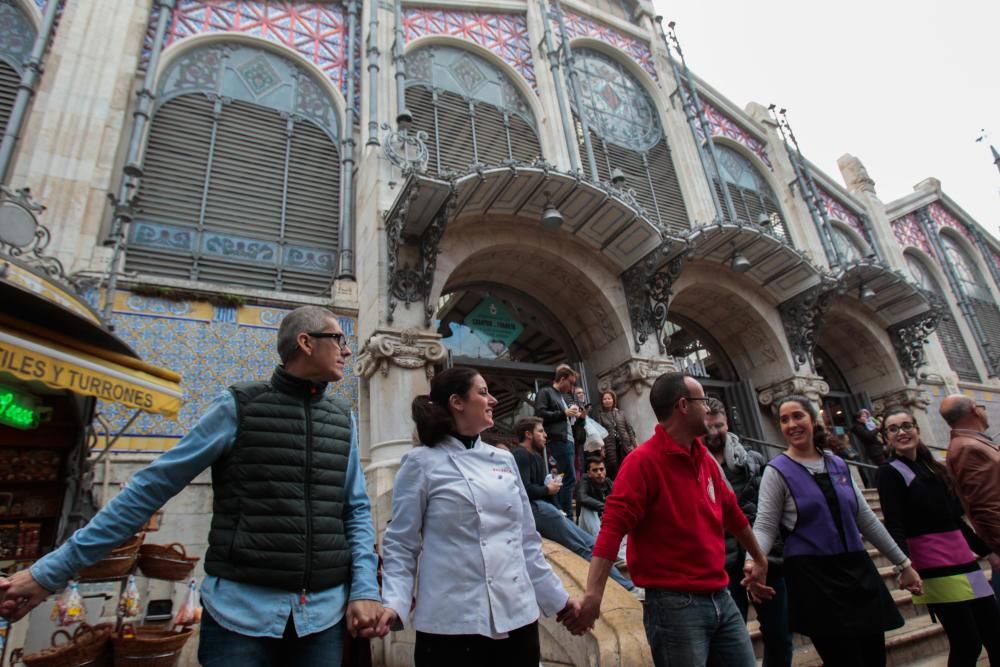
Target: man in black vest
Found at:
x=290, y=562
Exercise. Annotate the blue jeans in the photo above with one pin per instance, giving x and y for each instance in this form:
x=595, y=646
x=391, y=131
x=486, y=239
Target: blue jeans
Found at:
x=552, y=525
x=694, y=630
x=772, y=615
x=564, y=452
x=219, y=647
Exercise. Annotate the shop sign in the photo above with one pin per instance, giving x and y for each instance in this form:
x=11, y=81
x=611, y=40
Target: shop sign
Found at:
x=17, y=409
x=493, y=324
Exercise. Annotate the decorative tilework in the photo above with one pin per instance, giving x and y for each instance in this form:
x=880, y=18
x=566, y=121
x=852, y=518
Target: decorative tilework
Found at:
x=723, y=126
x=944, y=218
x=235, y=345
x=317, y=30
x=909, y=233
x=838, y=211
x=506, y=35
x=578, y=25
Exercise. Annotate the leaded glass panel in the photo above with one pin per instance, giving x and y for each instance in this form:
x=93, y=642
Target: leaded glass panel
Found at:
x=615, y=104
x=749, y=191
x=17, y=35
x=847, y=249
x=966, y=270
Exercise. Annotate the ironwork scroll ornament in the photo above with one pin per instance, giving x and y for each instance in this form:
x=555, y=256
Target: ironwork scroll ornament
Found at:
x=801, y=317
x=23, y=237
x=411, y=283
x=406, y=149
x=909, y=338
x=648, y=288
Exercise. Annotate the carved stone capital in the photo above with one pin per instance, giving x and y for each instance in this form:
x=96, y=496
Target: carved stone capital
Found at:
x=410, y=349
x=812, y=387
x=636, y=375
x=911, y=398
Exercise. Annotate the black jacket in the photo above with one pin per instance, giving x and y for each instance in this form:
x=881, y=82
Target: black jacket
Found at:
x=591, y=495
x=549, y=406
x=531, y=467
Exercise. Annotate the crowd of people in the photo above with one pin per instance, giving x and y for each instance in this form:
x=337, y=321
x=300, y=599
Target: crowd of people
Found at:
x=708, y=525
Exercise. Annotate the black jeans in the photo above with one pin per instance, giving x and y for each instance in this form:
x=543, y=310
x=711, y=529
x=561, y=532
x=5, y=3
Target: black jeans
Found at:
x=519, y=649
x=771, y=614
x=851, y=650
x=970, y=626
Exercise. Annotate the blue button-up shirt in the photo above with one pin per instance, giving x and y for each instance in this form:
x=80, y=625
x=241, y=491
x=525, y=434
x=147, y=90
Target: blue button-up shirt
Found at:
x=255, y=611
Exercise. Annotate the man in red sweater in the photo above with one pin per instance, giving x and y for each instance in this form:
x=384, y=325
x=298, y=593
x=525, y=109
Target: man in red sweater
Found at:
x=673, y=502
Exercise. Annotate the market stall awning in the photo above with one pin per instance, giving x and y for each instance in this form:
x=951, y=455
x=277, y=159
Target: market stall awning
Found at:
x=90, y=371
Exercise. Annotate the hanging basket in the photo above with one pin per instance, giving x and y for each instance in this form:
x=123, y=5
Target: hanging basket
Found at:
x=166, y=561
x=116, y=564
x=86, y=647
x=148, y=647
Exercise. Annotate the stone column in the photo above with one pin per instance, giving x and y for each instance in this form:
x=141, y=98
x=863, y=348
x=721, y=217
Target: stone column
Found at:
x=630, y=381
x=395, y=366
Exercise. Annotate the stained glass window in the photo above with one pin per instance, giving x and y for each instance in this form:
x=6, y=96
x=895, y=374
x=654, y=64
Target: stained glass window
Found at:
x=749, y=191
x=471, y=111
x=966, y=270
x=241, y=179
x=626, y=134
x=17, y=36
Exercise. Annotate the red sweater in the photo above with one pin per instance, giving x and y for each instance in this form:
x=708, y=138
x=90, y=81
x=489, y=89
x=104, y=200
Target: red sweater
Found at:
x=674, y=505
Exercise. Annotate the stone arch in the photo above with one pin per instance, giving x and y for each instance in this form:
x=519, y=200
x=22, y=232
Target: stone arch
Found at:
x=861, y=348
x=189, y=44
x=742, y=318
x=546, y=266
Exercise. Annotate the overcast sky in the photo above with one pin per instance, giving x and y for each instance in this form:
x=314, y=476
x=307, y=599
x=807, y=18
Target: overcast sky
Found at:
x=904, y=86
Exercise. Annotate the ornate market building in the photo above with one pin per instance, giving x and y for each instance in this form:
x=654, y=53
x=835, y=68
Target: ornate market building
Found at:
x=506, y=184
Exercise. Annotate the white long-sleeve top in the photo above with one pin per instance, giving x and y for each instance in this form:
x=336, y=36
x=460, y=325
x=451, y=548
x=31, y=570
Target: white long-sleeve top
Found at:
x=462, y=531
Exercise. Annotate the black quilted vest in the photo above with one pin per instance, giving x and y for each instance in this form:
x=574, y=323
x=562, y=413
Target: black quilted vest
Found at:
x=279, y=493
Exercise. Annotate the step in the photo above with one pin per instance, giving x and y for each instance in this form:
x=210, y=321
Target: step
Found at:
x=918, y=639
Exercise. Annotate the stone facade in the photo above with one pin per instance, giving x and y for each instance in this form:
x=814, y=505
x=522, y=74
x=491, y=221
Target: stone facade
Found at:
x=763, y=326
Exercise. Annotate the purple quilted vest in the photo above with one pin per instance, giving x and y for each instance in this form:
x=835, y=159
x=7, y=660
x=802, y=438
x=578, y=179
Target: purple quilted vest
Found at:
x=815, y=533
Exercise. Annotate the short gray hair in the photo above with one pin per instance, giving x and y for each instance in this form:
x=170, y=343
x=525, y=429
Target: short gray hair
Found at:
x=305, y=319
x=958, y=410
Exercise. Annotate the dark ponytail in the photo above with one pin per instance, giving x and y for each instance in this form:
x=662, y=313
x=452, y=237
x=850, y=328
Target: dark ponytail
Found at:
x=431, y=413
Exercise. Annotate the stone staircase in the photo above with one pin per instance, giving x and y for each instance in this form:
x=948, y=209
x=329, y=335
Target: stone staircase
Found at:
x=919, y=642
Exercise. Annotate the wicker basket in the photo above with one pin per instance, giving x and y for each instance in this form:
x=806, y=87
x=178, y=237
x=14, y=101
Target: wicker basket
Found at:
x=166, y=562
x=116, y=564
x=88, y=646
x=148, y=647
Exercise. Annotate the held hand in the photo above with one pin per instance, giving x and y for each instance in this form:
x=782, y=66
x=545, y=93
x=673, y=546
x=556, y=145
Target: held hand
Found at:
x=20, y=594
x=554, y=486
x=385, y=622
x=994, y=560
x=588, y=609
x=363, y=617
x=910, y=580
x=754, y=580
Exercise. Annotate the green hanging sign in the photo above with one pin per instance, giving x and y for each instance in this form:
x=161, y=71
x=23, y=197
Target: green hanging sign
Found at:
x=494, y=325
x=17, y=410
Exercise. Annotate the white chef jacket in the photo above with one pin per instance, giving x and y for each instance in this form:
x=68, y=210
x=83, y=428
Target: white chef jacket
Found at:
x=461, y=520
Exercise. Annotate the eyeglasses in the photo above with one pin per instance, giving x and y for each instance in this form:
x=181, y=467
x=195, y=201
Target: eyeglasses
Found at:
x=905, y=427
x=697, y=398
x=338, y=338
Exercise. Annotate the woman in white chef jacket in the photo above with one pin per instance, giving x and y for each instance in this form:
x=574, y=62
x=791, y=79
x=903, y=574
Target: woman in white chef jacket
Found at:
x=463, y=533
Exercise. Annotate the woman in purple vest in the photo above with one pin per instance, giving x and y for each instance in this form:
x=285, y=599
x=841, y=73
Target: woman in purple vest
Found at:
x=836, y=596
x=924, y=516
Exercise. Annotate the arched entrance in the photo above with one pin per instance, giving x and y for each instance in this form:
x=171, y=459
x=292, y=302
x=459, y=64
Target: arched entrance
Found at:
x=512, y=339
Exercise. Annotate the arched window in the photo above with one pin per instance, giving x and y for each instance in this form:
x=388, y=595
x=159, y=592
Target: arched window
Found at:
x=623, y=9
x=17, y=36
x=955, y=349
x=695, y=351
x=749, y=190
x=845, y=245
x=241, y=177
x=626, y=134
x=472, y=113
x=975, y=289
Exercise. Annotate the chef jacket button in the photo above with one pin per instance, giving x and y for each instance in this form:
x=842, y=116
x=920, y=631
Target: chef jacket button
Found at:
x=499, y=476
x=515, y=577
x=492, y=453
x=489, y=580
x=509, y=507
x=479, y=508
x=483, y=543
